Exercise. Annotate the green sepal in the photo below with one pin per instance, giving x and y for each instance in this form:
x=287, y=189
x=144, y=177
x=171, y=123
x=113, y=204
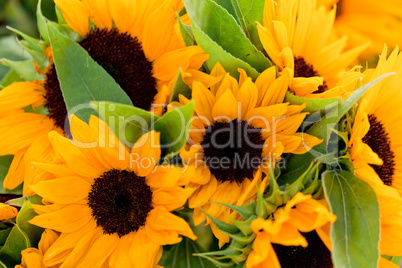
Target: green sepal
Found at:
x=312, y=105
x=3, y=236
x=310, y=175
x=180, y=88
x=245, y=211
x=19, y=202
x=186, y=32
x=224, y=227
x=128, y=123
x=25, y=69
x=33, y=47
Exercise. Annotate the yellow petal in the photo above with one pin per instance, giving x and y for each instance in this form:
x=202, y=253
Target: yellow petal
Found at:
x=7, y=212
x=225, y=108
x=76, y=14
x=145, y=153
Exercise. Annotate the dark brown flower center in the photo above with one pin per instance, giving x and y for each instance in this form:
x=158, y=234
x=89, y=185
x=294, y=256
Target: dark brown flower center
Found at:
x=120, y=201
x=315, y=255
x=233, y=151
x=339, y=8
x=378, y=140
x=122, y=57
x=303, y=69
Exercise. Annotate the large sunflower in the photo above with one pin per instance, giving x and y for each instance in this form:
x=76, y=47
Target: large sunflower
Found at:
x=111, y=205
x=354, y=18
x=240, y=129
x=136, y=42
x=376, y=146
x=297, y=35
x=294, y=237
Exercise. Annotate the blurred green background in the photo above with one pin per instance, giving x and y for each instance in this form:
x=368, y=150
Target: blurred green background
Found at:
x=21, y=15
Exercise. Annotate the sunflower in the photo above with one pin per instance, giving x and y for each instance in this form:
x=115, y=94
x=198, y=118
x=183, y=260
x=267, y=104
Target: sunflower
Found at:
x=136, y=42
x=354, y=18
x=295, y=236
x=7, y=212
x=111, y=205
x=33, y=257
x=297, y=35
x=239, y=130
x=375, y=146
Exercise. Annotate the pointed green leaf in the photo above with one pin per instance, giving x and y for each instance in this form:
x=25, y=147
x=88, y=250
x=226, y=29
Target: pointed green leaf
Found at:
x=128, y=123
x=228, y=6
x=218, y=54
x=180, y=87
x=244, y=211
x=223, y=226
x=81, y=79
x=174, y=127
x=312, y=105
x=19, y=202
x=41, y=22
x=25, y=69
x=248, y=12
x=24, y=215
x=356, y=233
x=223, y=29
x=181, y=255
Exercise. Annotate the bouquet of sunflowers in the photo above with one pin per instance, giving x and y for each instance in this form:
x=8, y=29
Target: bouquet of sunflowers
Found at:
x=204, y=133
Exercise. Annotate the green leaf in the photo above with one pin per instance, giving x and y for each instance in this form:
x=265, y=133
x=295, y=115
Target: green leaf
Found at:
x=218, y=54
x=323, y=129
x=41, y=22
x=17, y=241
x=180, y=87
x=174, y=127
x=81, y=79
x=216, y=22
x=128, y=123
x=25, y=69
x=186, y=32
x=356, y=233
x=181, y=255
x=11, y=77
x=5, y=162
x=228, y=6
x=312, y=105
x=24, y=215
x=248, y=12
x=10, y=49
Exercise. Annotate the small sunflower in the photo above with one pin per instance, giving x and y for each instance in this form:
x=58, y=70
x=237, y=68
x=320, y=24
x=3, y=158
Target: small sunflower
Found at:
x=240, y=129
x=376, y=146
x=297, y=35
x=354, y=18
x=33, y=257
x=136, y=42
x=111, y=205
x=294, y=237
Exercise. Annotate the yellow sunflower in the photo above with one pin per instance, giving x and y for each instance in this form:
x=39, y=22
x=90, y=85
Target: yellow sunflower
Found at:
x=376, y=146
x=136, y=42
x=33, y=257
x=377, y=22
x=111, y=205
x=239, y=130
x=280, y=242
x=7, y=212
x=297, y=35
